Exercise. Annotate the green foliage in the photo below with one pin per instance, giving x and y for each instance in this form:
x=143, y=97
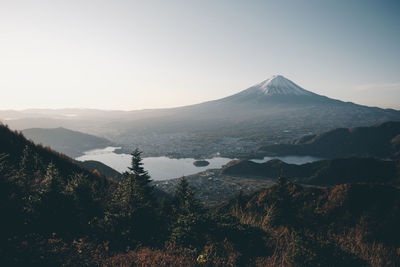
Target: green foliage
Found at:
x=137, y=190
x=134, y=190
x=55, y=213
x=189, y=221
x=52, y=181
x=309, y=252
x=133, y=209
x=185, y=201
x=377, y=141
x=87, y=206
x=283, y=212
x=324, y=172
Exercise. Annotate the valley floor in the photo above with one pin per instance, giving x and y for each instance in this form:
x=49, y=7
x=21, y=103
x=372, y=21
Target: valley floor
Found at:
x=211, y=187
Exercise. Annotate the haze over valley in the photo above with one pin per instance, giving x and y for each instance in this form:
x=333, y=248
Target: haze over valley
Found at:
x=200, y=133
x=273, y=111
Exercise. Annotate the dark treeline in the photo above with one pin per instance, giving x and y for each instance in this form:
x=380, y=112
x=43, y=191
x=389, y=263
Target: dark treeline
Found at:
x=322, y=172
x=380, y=140
x=57, y=213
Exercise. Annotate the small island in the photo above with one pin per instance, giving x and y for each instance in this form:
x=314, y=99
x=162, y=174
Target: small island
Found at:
x=201, y=163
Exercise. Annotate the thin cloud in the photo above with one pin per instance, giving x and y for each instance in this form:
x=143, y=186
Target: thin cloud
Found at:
x=381, y=86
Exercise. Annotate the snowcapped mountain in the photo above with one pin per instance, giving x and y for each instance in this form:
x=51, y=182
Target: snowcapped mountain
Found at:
x=275, y=110
x=279, y=85
x=277, y=90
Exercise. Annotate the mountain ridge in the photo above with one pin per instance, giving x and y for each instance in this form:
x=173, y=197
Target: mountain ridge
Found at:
x=228, y=126
x=69, y=142
x=380, y=140
x=323, y=172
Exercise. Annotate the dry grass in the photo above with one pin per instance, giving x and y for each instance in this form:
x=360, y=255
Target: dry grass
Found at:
x=147, y=257
x=376, y=254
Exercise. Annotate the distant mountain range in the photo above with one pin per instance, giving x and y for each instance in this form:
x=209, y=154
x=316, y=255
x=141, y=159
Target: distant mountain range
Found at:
x=273, y=111
x=382, y=141
x=71, y=143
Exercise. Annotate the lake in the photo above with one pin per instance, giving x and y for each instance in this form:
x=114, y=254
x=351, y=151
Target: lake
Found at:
x=164, y=168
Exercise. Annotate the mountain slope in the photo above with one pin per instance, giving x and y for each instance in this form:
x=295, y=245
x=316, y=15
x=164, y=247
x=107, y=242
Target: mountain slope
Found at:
x=357, y=217
x=71, y=143
x=378, y=141
x=103, y=169
x=13, y=144
x=324, y=172
x=273, y=111
x=279, y=90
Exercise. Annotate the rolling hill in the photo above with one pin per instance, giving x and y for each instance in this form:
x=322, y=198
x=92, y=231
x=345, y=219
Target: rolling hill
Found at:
x=324, y=172
x=56, y=216
x=71, y=143
x=103, y=169
x=13, y=144
x=381, y=140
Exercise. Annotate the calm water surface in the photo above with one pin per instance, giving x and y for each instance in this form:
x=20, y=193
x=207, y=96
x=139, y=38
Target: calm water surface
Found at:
x=163, y=168
x=290, y=159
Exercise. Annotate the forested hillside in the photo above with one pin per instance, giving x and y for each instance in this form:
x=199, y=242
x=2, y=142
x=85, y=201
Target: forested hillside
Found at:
x=380, y=140
x=71, y=143
x=323, y=172
x=103, y=169
x=345, y=225
x=57, y=213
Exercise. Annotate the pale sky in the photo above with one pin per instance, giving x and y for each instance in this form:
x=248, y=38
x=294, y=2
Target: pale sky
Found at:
x=151, y=54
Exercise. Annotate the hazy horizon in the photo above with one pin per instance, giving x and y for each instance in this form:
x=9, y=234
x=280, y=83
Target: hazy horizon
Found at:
x=138, y=109
x=132, y=55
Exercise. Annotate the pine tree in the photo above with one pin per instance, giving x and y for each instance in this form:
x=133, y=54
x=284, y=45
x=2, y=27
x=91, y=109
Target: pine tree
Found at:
x=25, y=170
x=186, y=231
x=185, y=199
x=3, y=161
x=138, y=182
x=285, y=212
x=30, y=167
x=52, y=181
x=134, y=204
x=136, y=163
x=81, y=194
x=50, y=212
x=134, y=190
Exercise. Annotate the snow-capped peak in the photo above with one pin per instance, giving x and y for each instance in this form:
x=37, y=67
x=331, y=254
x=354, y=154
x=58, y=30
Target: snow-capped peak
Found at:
x=279, y=85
